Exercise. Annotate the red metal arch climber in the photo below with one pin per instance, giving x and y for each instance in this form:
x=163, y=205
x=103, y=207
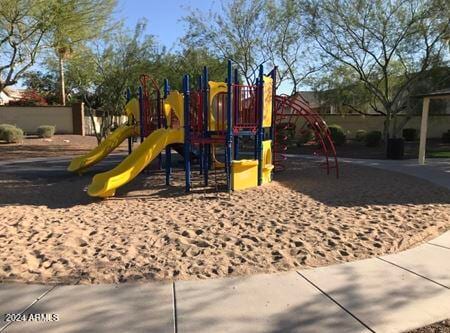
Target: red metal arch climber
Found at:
x=287, y=111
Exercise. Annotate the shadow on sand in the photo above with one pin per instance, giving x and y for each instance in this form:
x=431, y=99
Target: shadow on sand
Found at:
x=359, y=186
x=47, y=183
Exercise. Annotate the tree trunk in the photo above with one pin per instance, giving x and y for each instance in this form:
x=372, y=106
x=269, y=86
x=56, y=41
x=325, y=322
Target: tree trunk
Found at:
x=61, y=77
x=386, y=130
x=96, y=133
x=394, y=127
x=399, y=127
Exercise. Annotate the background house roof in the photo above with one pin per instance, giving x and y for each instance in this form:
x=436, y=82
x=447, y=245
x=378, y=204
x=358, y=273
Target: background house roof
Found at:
x=310, y=96
x=12, y=92
x=437, y=93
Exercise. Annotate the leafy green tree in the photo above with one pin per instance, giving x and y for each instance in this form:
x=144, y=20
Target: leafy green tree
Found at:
x=75, y=22
x=100, y=75
x=388, y=45
x=42, y=83
x=234, y=32
x=23, y=25
x=285, y=45
x=341, y=90
x=188, y=61
x=254, y=32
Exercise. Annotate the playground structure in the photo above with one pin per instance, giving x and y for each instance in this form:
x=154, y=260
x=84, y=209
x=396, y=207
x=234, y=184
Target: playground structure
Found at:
x=198, y=124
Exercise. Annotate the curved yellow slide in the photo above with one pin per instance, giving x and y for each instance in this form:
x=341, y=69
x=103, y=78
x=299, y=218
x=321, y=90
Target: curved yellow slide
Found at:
x=105, y=184
x=81, y=163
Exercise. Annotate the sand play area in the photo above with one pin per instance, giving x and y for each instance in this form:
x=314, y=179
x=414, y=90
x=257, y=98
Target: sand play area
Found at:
x=52, y=232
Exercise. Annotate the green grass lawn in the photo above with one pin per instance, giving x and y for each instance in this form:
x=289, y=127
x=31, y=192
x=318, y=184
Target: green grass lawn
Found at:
x=439, y=154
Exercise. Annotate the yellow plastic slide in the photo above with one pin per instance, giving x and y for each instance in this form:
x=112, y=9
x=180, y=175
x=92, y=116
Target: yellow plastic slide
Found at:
x=81, y=163
x=105, y=184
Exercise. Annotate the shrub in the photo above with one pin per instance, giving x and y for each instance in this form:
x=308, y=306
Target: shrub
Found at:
x=45, y=131
x=360, y=135
x=337, y=135
x=373, y=138
x=305, y=136
x=446, y=137
x=3, y=128
x=12, y=134
x=410, y=134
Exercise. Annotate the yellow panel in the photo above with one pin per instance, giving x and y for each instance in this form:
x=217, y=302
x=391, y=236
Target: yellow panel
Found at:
x=175, y=102
x=132, y=108
x=267, y=162
x=167, y=109
x=244, y=174
x=268, y=92
x=215, y=88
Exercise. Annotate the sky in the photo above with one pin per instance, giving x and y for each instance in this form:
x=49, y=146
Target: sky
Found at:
x=163, y=16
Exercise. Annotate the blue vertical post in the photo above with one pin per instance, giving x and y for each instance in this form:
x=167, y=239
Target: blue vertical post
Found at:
x=168, y=162
x=166, y=88
x=260, y=131
x=130, y=122
x=187, y=133
x=166, y=92
x=141, y=113
x=205, y=112
x=229, y=137
x=236, y=105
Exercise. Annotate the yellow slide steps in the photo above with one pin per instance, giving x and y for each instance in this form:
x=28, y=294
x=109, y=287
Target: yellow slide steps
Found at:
x=105, y=184
x=267, y=162
x=244, y=174
x=81, y=163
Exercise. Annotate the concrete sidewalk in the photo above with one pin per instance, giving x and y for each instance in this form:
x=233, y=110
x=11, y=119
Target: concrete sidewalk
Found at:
x=392, y=293
x=436, y=171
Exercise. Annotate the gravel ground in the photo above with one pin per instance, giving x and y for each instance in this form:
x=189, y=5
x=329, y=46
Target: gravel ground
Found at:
x=57, y=146
x=440, y=327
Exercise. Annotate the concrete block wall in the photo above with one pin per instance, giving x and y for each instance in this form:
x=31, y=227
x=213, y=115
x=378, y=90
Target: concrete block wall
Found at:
x=66, y=119
x=437, y=124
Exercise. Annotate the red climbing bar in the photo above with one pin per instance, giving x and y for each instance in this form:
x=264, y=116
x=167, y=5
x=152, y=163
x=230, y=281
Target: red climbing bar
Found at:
x=245, y=115
x=152, y=116
x=287, y=111
x=196, y=113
